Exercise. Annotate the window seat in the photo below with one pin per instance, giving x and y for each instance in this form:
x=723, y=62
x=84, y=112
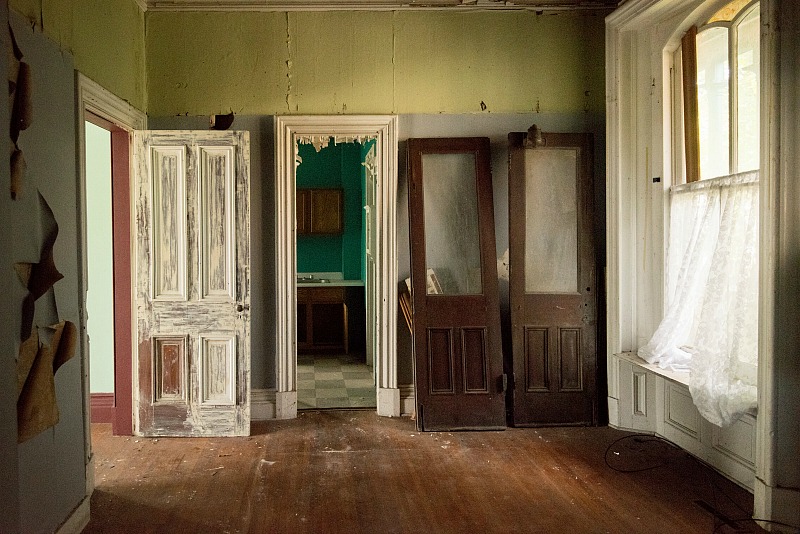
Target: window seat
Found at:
x=645, y=398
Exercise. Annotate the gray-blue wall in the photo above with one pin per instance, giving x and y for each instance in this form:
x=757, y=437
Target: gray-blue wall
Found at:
x=494, y=126
x=51, y=478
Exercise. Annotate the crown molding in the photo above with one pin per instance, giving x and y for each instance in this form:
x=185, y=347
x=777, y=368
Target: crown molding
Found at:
x=375, y=5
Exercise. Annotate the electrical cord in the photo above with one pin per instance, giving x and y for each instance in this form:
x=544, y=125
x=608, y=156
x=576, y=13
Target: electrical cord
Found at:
x=642, y=439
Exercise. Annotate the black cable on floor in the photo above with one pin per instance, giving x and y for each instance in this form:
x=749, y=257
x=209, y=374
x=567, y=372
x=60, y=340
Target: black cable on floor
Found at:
x=645, y=439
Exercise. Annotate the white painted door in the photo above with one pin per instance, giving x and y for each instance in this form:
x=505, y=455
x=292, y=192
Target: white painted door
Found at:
x=370, y=183
x=192, y=251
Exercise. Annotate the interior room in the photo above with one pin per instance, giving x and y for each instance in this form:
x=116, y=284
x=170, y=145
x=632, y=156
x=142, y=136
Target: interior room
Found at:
x=211, y=220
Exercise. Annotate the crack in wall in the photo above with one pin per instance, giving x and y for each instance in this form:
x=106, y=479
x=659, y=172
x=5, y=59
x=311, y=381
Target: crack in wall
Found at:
x=394, y=63
x=288, y=65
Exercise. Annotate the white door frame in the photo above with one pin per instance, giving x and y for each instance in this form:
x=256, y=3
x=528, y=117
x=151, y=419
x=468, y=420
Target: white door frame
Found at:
x=289, y=130
x=94, y=98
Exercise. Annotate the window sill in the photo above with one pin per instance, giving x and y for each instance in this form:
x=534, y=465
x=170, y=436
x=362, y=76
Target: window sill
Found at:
x=681, y=377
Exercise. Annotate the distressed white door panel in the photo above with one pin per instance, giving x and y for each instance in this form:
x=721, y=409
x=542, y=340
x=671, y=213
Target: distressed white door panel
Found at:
x=170, y=379
x=167, y=175
x=370, y=186
x=193, y=314
x=217, y=190
x=218, y=369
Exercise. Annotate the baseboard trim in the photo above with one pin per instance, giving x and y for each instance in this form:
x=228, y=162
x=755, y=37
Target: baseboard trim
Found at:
x=78, y=519
x=407, y=399
x=262, y=404
x=388, y=402
x=103, y=407
x=781, y=505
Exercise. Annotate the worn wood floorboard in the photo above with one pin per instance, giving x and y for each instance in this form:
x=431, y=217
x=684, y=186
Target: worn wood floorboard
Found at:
x=354, y=472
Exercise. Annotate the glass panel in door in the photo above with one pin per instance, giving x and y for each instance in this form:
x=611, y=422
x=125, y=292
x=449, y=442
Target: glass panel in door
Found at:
x=551, y=221
x=452, y=242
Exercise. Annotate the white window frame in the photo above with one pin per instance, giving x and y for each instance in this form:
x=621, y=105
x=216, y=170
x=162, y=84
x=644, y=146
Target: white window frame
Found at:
x=637, y=127
x=678, y=149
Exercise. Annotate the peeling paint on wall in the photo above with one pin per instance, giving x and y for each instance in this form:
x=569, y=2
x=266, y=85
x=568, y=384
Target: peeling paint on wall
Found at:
x=323, y=141
x=43, y=349
x=106, y=39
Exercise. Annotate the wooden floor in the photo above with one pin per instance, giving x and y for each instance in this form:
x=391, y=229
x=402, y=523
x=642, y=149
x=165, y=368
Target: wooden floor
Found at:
x=353, y=472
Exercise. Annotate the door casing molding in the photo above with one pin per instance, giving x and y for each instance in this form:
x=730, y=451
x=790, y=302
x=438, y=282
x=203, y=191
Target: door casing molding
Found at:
x=93, y=98
x=288, y=130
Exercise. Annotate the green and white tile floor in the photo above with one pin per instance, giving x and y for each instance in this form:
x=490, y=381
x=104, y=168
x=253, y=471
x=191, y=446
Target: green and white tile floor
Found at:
x=334, y=381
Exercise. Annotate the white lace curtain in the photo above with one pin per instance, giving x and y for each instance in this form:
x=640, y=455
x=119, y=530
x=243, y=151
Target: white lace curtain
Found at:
x=710, y=326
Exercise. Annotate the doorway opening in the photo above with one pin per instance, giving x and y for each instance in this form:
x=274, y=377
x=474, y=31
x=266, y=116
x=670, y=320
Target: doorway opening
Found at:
x=106, y=119
x=334, y=367
x=100, y=267
x=380, y=248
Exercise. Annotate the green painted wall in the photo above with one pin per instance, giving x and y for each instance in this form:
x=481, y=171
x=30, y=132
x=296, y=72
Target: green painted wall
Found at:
x=374, y=62
x=105, y=38
x=336, y=165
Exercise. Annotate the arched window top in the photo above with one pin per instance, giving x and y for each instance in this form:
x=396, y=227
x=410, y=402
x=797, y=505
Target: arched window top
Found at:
x=731, y=11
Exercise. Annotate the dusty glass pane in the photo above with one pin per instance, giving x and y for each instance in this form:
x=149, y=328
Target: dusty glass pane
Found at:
x=713, y=103
x=551, y=221
x=452, y=243
x=748, y=98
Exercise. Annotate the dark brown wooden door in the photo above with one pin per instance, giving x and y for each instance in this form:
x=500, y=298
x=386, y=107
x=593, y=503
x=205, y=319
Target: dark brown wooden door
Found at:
x=458, y=362
x=553, y=281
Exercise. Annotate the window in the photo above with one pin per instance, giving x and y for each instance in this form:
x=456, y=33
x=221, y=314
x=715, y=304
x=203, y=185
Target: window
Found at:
x=721, y=110
x=710, y=324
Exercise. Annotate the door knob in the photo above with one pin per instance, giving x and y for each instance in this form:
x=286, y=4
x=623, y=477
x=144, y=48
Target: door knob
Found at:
x=242, y=307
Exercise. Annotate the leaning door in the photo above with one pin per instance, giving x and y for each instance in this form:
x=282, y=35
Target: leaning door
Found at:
x=192, y=283
x=458, y=362
x=370, y=241
x=552, y=282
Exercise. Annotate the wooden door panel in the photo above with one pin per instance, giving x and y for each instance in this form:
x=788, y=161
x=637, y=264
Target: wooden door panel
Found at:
x=169, y=364
x=458, y=360
x=536, y=351
x=326, y=211
x=169, y=222
x=474, y=360
x=441, y=370
x=552, y=281
x=193, y=287
x=217, y=369
x=217, y=188
x=569, y=359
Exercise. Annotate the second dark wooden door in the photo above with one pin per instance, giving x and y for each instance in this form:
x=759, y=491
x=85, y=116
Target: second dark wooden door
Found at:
x=457, y=354
x=552, y=283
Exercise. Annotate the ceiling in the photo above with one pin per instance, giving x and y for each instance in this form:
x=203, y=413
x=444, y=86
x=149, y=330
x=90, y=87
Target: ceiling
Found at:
x=375, y=5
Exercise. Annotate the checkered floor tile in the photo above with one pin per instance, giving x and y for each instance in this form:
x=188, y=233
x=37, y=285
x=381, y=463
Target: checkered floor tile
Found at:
x=334, y=381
